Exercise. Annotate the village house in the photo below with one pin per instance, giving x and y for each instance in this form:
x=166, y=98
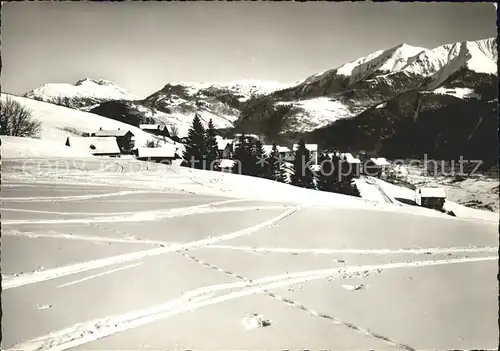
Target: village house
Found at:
x=431, y=197
x=375, y=166
x=313, y=150
x=225, y=147
x=165, y=154
x=97, y=146
x=285, y=153
x=124, y=138
x=226, y=165
x=155, y=129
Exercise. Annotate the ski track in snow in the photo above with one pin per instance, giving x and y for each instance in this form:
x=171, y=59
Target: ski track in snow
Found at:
x=66, y=213
x=137, y=215
x=91, y=238
x=77, y=197
x=141, y=216
x=416, y=251
x=86, y=332
x=100, y=274
x=100, y=263
x=129, y=239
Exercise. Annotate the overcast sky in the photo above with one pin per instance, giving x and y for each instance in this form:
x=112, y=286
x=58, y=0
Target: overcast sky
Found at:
x=141, y=46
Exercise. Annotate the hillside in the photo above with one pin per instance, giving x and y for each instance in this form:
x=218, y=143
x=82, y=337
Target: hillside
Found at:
x=60, y=122
x=15, y=147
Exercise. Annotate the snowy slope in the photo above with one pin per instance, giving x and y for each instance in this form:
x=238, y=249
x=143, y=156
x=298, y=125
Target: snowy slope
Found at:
x=59, y=122
x=318, y=112
x=382, y=61
x=83, y=93
x=441, y=62
x=479, y=56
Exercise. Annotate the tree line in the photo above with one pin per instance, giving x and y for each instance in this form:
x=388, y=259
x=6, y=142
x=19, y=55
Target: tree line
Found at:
x=250, y=158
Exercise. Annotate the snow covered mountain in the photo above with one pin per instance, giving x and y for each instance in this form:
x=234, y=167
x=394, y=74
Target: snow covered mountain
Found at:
x=348, y=90
x=84, y=93
x=362, y=102
x=446, y=93
x=177, y=103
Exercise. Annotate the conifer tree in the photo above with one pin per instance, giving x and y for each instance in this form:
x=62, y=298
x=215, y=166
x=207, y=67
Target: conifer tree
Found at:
x=344, y=178
x=283, y=177
x=195, y=150
x=348, y=187
x=259, y=161
x=241, y=155
x=302, y=175
x=326, y=173
x=337, y=172
x=274, y=163
x=211, y=145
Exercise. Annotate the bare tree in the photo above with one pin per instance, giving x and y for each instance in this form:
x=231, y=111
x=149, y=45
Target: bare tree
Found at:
x=16, y=120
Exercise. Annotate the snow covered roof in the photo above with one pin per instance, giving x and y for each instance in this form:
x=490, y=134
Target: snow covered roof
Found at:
x=166, y=150
x=350, y=158
x=310, y=147
x=247, y=135
x=225, y=163
x=432, y=192
x=112, y=133
x=222, y=143
x=380, y=161
x=94, y=145
x=281, y=149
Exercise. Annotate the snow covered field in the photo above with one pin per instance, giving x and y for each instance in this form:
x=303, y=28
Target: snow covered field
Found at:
x=111, y=254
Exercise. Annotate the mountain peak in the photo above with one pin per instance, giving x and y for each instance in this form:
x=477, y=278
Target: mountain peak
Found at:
x=95, y=81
